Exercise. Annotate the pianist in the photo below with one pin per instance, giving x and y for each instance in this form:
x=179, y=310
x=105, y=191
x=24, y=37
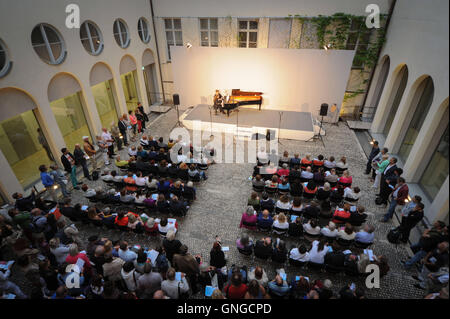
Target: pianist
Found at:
x=218, y=102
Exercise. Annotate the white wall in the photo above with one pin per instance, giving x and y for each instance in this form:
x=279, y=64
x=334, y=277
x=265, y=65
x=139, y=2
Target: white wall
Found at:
x=261, y=8
x=418, y=37
x=291, y=80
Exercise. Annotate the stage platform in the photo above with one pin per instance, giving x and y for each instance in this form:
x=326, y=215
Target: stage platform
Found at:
x=249, y=120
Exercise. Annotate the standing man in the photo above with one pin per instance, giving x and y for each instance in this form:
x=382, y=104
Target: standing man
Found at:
x=123, y=126
x=410, y=221
x=399, y=197
x=141, y=109
x=115, y=132
x=103, y=148
x=43, y=142
x=60, y=179
x=68, y=162
x=80, y=159
x=374, y=152
x=89, y=149
x=48, y=182
x=389, y=178
x=377, y=159
x=107, y=138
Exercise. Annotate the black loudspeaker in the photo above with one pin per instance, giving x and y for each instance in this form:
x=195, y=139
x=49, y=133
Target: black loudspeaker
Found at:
x=324, y=109
x=270, y=135
x=176, y=99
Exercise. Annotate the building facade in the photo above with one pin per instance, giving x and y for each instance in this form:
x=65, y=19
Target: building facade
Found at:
x=410, y=92
x=69, y=83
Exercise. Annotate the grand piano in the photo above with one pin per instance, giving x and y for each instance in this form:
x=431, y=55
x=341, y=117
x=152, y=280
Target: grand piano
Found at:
x=239, y=97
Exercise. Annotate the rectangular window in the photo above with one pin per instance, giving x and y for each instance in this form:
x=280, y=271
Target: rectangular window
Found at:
x=25, y=147
x=248, y=33
x=353, y=32
x=361, y=48
x=436, y=172
x=71, y=119
x=106, y=106
x=174, y=34
x=209, y=35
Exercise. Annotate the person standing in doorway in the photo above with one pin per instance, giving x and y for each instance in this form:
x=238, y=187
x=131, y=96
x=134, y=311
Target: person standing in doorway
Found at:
x=123, y=126
x=374, y=152
x=89, y=149
x=43, y=142
x=80, y=159
x=68, y=161
x=141, y=110
x=133, y=122
x=107, y=138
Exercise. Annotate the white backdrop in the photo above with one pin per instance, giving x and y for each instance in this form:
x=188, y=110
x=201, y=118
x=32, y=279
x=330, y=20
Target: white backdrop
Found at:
x=291, y=80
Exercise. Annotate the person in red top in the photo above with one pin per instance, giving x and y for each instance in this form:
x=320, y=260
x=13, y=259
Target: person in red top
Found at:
x=236, y=289
x=284, y=171
x=346, y=180
x=318, y=162
x=129, y=182
x=74, y=255
x=121, y=219
x=341, y=215
x=306, y=161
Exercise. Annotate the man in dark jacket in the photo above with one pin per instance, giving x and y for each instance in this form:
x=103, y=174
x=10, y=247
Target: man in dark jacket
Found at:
x=410, y=221
x=263, y=248
x=389, y=178
x=145, y=117
x=375, y=150
x=80, y=159
x=68, y=161
x=122, y=124
x=25, y=203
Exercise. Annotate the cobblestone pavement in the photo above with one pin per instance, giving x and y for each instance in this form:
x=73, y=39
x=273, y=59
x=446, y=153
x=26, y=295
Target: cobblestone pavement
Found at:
x=223, y=198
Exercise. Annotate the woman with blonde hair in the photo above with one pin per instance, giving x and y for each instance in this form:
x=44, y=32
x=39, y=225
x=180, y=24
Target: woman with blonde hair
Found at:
x=280, y=224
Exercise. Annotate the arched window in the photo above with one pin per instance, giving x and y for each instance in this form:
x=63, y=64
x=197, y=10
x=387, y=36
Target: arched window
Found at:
x=420, y=106
x=395, y=97
x=48, y=44
x=5, y=63
x=91, y=38
x=144, y=31
x=121, y=33
x=382, y=76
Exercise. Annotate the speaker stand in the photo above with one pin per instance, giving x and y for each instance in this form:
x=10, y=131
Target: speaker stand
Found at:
x=280, y=113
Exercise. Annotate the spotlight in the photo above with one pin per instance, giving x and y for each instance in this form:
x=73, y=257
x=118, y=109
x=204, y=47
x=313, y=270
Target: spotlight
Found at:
x=188, y=45
x=328, y=46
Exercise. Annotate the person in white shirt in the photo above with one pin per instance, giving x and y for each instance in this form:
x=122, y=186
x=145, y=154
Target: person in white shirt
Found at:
x=307, y=174
x=132, y=151
x=312, y=227
x=352, y=194
x=107, y=138
x=347, y=233
x=329, y=163
x=117, y=178
x=164, y=226
x=280, y=221
x=139, y=198
x=318, y=251
x=283, y=203
x=262, y=156
x=106, y=176
x=299, y=254
x=141, y=180
x=329, y=230
x=297, y=205
x=342, y=164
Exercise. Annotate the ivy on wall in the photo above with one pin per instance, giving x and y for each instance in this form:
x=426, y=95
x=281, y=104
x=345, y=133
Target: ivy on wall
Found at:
x=335, y=30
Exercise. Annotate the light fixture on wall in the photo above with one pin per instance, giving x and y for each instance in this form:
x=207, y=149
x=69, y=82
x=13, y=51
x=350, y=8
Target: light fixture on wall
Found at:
x=188, y=45
x=327, y=47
